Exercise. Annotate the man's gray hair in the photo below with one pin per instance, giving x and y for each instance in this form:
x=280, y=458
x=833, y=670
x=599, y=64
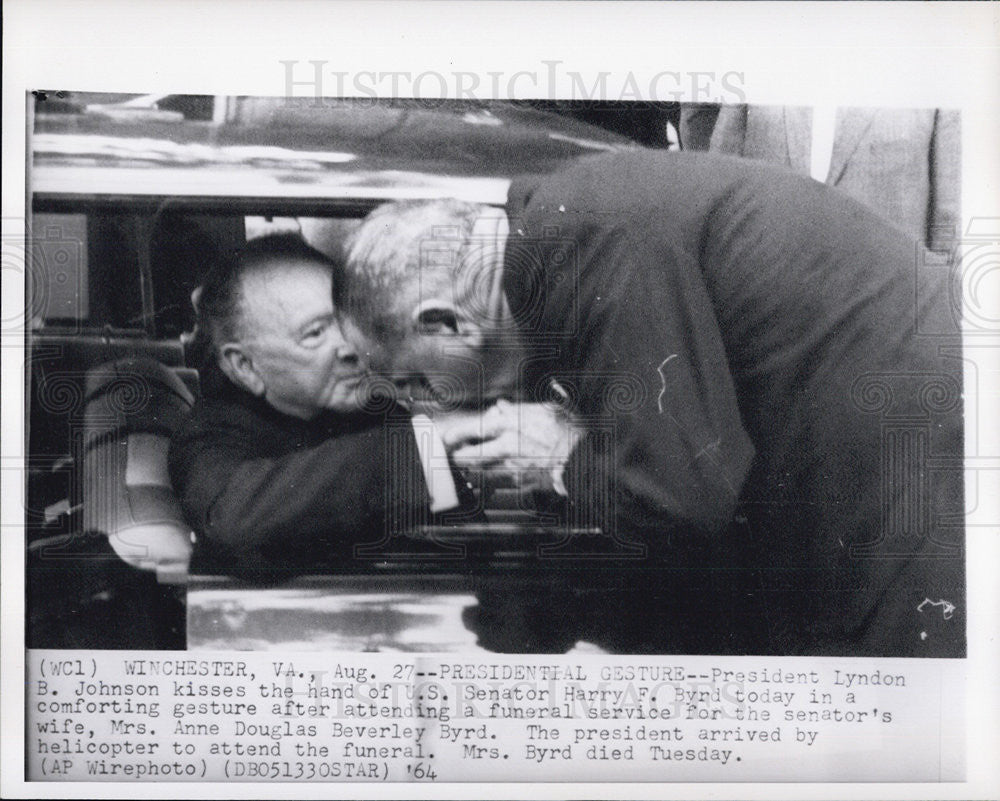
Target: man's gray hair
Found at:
x=399, y=240
x=390, y=240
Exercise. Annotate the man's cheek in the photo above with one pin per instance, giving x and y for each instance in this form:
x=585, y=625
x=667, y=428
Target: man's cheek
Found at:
x=420, y=355
x=464, y=381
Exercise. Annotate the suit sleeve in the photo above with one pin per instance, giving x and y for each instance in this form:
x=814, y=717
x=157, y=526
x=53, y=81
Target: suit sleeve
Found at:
x=945, y=169
x=325, y=495
x=665, y=449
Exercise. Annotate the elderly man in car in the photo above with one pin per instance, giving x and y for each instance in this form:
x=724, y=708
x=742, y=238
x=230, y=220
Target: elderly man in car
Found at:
x=749, y=377
x=284, y=466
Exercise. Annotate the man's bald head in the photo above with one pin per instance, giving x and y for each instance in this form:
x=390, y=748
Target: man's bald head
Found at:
x=219, y=299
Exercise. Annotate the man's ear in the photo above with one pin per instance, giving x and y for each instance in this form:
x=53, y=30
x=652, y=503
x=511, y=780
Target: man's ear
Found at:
x=238, y=368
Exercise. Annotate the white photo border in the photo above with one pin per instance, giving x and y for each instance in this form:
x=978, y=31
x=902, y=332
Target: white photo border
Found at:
x=878, y=54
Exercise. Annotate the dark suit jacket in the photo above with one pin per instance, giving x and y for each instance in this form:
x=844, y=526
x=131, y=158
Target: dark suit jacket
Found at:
x=766, y=373
x=270, y=496
x=903, y=163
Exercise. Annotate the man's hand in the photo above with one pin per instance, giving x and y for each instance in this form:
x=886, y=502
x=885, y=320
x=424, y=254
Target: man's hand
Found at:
x=529, y=442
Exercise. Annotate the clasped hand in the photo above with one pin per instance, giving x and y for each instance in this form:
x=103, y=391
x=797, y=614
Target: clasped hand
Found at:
x=529, y=442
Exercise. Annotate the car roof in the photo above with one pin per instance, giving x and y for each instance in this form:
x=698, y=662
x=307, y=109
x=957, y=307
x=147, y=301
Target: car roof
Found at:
x=302, y=155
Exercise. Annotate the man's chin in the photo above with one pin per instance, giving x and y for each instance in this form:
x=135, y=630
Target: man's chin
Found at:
x=344, y=406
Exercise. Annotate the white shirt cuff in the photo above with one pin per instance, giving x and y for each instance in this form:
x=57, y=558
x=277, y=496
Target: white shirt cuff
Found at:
x=557, y=481
x=434, y=461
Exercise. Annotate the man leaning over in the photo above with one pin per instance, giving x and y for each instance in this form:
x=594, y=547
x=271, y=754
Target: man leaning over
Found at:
x=768, y=376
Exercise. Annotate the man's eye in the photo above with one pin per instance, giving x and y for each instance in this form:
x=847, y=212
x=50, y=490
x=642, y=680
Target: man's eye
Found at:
x=314, y=332
x=437, y=321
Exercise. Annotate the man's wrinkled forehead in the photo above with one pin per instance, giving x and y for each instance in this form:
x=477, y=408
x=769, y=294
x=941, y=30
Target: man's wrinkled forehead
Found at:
x=401, y=267
x=460, y=264
x=275, y=291
x=440, y=272
x=389, y=299
x=437, y=271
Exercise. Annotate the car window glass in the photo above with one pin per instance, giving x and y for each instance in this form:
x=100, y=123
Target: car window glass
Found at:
x=59, y=290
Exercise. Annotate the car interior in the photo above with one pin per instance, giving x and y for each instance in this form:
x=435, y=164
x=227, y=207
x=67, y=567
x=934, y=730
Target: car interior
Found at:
x=113, y=371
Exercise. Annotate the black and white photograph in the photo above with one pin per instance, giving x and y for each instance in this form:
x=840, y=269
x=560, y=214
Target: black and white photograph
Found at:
x=519, y=376
x=494, y=377
x=440, y=426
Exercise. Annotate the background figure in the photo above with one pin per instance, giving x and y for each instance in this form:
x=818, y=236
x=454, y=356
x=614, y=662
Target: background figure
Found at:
x=695, y=125
x=903, y=163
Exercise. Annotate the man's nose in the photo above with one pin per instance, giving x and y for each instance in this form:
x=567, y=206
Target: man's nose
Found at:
x=347, y=354
x=358, y=348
